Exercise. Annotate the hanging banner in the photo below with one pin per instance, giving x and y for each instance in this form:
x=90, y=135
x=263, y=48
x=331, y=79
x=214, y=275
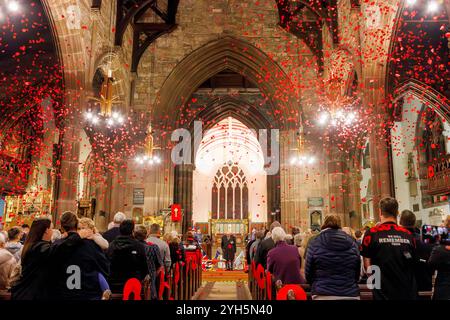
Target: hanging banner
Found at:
x=176, y=212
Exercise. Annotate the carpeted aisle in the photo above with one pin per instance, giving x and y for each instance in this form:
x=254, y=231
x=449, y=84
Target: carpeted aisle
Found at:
x=223, y=285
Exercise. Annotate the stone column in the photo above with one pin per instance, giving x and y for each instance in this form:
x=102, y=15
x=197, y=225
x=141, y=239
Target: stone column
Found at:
x=182, y=193
x=337, y=189
x=67, y=177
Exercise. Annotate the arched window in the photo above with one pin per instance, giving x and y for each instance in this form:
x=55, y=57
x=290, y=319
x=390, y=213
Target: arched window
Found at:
x=229, y=194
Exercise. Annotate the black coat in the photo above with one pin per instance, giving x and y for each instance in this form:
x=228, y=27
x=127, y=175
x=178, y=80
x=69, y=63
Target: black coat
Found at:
x=333, y=264
x=128, y=260
x=33, y=283
x=263, y=249
x=111, y=234
x=422, y=270
x=89, y=257
x=440, y=261
x=228, y=246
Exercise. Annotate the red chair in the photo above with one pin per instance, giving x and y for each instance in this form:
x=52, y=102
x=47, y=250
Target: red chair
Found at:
x=291, y=290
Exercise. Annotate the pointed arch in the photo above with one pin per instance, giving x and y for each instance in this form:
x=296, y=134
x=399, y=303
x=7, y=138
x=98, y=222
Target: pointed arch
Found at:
x=226, y=53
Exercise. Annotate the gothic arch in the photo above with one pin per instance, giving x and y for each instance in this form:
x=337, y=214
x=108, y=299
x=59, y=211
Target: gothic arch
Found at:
x=225, y=53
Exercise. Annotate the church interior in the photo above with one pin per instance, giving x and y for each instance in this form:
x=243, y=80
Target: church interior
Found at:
x=224, y=116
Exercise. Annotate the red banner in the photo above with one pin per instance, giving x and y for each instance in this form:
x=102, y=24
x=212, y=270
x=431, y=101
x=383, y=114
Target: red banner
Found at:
x=176, y=212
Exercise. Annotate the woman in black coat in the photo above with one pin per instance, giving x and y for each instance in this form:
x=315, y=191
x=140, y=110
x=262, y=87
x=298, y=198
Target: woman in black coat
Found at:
x=36, y=252
x=440, y=261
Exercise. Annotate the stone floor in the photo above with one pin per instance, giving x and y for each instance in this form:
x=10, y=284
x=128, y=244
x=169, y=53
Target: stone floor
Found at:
x=230, y=290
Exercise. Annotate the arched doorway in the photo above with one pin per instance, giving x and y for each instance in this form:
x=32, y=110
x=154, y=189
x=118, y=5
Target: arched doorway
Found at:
x=229, y=181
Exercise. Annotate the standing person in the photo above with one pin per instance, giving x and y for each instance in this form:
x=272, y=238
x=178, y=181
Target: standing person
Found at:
x=127, y=256
x=283, y=261
x=392, y=249
x=333, y=263
x=25, y=230
x=228, y=246
x=114, y=231
x=176, y=248
x=76, y=249
x=14, y=245
x=259, y=236
x=154, y=259
x=422, y=270
x=35, y=260
x=265, y=246
x=440, y=261
x=7, y=264
x=154, y=237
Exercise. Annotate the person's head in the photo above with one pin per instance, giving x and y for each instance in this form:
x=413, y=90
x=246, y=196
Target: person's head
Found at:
x=56, y=235
x=167, y=237
x=14, y=234
x=69, y=222
x=278, y=234
x=175, y=238
x=126, y=228
x=447, y=222
x=295, y=230
x=25, y=228
x=119, y=217
x=274, y=224
x=190, y=235
x=331, y=221
x=41, y=230
x=388, y=208
x=140, y=232
x=86, y=223
x=298, y=238
x=358, y=234
x=349, y=231
x=407, y=219
x=260, y=234
x=155, y=229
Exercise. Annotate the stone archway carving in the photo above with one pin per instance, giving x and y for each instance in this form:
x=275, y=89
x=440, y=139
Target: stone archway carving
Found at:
x=225, y=53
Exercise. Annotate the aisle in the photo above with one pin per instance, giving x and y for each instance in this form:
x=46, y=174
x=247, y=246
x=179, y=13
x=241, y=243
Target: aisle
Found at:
x=223, y=285
x=221, y=290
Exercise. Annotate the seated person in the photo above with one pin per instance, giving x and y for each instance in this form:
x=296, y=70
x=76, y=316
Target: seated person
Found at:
x=127, y=257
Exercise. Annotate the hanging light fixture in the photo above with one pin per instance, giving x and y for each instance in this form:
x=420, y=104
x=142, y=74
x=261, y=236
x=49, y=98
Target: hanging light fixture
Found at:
x=148, y=157
x=338, y=110
x=107, y=96
x=301, y=158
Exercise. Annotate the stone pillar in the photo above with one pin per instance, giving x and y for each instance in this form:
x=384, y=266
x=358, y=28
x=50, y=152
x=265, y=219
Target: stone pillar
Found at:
x=380, y=164
x=67, y=177
x=182, y=193
x=337, y=189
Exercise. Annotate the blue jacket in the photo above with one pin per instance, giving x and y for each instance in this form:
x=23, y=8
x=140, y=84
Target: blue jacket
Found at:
x=333, y=264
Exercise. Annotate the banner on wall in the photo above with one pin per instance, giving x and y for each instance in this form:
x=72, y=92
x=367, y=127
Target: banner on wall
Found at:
x=176, y=212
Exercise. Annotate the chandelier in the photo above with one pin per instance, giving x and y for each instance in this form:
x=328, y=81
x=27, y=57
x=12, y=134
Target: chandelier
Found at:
x=148, y=156
x=106, y=116
x=302, y=158
x=338, y=110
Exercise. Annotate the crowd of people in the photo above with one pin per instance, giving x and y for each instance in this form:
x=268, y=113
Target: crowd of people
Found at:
x=391, y=258
x=78, y=263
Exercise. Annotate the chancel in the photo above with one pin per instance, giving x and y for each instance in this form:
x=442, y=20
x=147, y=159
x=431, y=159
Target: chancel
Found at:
x=224, y=150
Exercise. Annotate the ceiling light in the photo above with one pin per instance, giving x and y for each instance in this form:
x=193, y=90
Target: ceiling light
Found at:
x=433, y=6
x=13, y=6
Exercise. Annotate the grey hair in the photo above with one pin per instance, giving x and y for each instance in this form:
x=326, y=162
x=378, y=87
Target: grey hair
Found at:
x=298, y=238
x=278, y=234
x=119, y=217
